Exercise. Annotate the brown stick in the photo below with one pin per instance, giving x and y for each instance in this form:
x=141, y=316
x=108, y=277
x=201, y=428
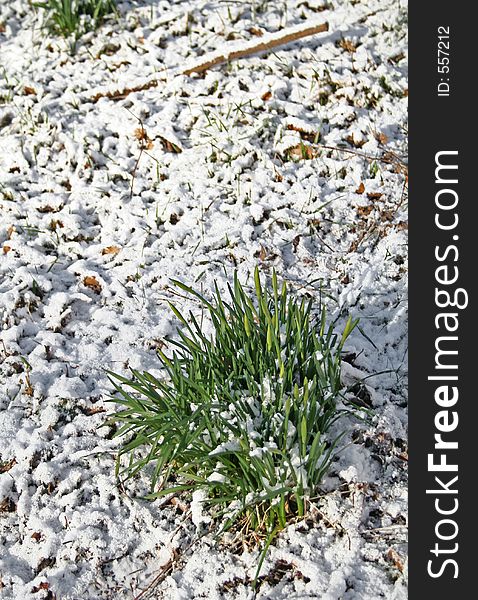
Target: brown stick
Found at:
x=281, y=38
x=238, y=50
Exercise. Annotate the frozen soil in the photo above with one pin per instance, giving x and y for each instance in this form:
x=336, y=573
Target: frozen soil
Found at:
x=293, y=160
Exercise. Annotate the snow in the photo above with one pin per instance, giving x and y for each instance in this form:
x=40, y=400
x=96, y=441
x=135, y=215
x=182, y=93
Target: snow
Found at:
x=87, y=258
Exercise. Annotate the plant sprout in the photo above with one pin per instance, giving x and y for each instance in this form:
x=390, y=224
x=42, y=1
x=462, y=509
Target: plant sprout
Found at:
x=243, y=417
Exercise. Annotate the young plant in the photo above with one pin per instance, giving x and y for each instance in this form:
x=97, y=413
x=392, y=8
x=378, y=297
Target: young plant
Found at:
x=242, y=418
x=67, y=17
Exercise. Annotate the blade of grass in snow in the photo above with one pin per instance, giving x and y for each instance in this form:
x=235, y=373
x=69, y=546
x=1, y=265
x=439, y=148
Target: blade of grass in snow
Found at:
x=244, y=416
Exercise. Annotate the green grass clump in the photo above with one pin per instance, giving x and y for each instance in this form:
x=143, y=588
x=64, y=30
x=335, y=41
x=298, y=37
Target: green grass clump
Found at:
x=244, y=417
x=75, y=17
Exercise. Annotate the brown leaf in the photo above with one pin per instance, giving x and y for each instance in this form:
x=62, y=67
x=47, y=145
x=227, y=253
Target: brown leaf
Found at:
x=397, y=58
x=36, y=536
x=4, y=467
x=28, y=391
x=256, y=31
x=141, y=135
x=360, y=189
x=110, y=250
x=44, y=585
x=45, y=563
x=310, y=136
x=347, y=45
x=29, y=91
x=393, y=557
x=93, y=410
x=92, y=283
x=381, y=137
x=169, y=146
x=315, y=223
x=364, y=211
x=374, y=195
x=6, y=249
x=176, y=502
x=301, y=152
x=7, y=505
x=266, y=96
x=353, y=142
x=55, y=224
x=49, y=209
x=387, y=215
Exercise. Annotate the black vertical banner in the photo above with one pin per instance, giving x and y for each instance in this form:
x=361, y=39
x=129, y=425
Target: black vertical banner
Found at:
x=443, y=351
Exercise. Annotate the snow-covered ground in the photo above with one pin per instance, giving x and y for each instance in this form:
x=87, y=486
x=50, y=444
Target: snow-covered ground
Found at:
x=231, y=176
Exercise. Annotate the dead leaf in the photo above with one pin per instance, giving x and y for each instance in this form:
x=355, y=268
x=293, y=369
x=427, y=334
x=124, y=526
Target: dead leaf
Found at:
x=315, y=223
x=360, y=189
x=44, y=585
x=353, y=142
x=6, y=249
x=364, y=211
x=169, y=146
x=91, y=282
x=28, y=391
x=93, y=410
x=393, y=557
x=45, y=563
x=347, y=45
x=256, y=31
x=374, y=195
x=301, y=152
x=7, y=505
x=141, y=135
x=176, y=502
x=110, y=250
x=29, y=91
x=381, y=137
x=49, y=209
x=266, y=96
x=4, y=467
x=310, y=136
x=36, y=536
x=55, y=224
x=397, y=58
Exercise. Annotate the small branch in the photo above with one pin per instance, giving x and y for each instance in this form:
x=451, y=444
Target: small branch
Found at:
x=235, y=51
x=286, y=36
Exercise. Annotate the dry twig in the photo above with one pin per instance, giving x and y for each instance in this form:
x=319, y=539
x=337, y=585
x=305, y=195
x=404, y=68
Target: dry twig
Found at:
x=235, y=51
